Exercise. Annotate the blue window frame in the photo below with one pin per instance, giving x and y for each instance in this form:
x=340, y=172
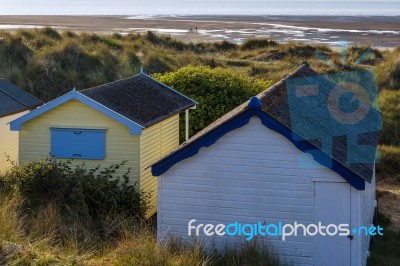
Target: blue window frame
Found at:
x=75, y=143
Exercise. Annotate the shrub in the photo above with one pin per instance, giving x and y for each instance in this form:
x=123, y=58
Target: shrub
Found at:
x=91, y=194
x=216, y=90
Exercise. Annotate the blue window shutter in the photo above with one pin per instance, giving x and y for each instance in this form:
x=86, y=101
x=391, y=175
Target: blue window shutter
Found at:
x=75, y=143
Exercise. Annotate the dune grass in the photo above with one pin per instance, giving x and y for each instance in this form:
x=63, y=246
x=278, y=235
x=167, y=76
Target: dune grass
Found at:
x=384, y=250
x=49, y=63
x=36, y=240
x=390, y=108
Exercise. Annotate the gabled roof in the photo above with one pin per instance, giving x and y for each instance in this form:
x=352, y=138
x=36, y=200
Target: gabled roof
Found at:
x=141, y=99
x=271, y=106
x=134, y=128
x=14, y=99
x=136, y=102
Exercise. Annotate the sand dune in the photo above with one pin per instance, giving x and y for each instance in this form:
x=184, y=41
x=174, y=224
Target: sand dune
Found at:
x=381, y=32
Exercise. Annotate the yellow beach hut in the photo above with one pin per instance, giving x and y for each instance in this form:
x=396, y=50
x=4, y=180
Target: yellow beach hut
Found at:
x=134, y=120
x=14, y=102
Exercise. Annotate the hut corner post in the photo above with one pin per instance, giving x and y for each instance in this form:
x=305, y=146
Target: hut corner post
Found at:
x=187, y=124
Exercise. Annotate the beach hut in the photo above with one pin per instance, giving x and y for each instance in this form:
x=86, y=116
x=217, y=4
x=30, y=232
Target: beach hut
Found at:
x=134, y=120
x=248, y=170
x=14, y=102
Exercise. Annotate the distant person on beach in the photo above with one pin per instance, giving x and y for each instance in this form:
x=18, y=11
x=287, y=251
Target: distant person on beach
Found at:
x=191, y=30
x=196, y=29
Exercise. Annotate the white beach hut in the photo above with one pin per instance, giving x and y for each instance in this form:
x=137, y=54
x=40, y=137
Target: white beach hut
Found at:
x=247, y=167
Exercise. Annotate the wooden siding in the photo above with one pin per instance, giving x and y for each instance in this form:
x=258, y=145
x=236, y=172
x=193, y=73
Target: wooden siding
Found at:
x=251, y=174
x=9, y=142
x=155, y=142
x=120, y=144
x=367, y=207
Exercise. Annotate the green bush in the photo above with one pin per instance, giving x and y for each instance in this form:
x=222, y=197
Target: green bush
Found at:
x=216, y=90
x=92, y=194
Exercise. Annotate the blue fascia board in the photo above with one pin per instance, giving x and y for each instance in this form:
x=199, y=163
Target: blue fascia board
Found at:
x=239, y=121
x=16, y=124
x=135, y=128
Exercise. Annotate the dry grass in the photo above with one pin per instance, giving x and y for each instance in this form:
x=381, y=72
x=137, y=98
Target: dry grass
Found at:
x=36, y=240
x=390, y=108
x=48, y=63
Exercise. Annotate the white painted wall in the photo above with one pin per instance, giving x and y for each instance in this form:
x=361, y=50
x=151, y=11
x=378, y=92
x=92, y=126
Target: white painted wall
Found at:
x=335, y=197
x=250, y=174
x=367, y=208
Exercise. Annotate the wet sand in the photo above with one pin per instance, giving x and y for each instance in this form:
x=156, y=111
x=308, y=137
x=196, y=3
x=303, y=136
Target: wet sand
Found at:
x=380, y=32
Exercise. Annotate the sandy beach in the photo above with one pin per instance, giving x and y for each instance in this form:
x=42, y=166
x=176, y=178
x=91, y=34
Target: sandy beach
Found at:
x=380, y=32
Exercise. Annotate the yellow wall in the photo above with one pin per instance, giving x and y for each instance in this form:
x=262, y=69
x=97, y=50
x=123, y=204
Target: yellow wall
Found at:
x=155, y=142
x=8, y=142
x=120, y=144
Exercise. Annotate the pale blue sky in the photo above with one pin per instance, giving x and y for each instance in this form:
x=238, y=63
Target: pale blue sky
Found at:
x=200, y=7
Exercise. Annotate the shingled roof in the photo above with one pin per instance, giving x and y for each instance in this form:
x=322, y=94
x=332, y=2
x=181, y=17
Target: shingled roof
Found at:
x=140, y=98
x=274, y=103
x=14, y=99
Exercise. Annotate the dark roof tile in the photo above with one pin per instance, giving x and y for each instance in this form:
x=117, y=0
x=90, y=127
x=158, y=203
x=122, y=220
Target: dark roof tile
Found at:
x=274, y=101
x=14, y=99
x=140, y=98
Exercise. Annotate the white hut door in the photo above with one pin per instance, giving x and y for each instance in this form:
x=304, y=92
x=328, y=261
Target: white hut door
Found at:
x=332, y=206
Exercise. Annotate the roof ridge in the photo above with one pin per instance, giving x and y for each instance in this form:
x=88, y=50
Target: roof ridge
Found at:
x=281, y=82
x=141, y=73
x=111, y=82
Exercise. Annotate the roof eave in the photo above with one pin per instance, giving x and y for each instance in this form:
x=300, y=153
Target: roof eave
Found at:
x=135, y=128
x=175, y=112
x=21, y=110
x=242, y=118
x=168, y=87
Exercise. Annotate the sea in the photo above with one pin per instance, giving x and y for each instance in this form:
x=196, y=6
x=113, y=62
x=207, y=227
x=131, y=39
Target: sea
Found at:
x=150, y=8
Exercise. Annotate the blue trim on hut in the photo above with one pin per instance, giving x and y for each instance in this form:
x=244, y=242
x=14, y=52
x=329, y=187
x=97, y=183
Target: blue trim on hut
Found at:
x=242, y=119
